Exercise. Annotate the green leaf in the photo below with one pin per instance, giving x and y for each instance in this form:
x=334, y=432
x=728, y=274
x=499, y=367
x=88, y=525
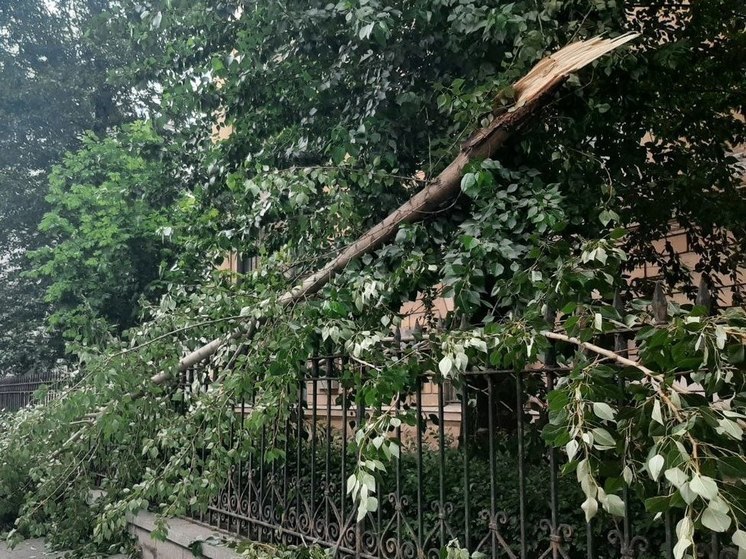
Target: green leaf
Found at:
x=682, y=544
x=685, y=528
x=703, y=486
x=604, y=411
x=598, y=322
x=655, y=465
x=676, y=477
x=603, y=438
x=687, y=494
x=715, y=520
x=607, y=216
x=735, y=353
x=732, y=466
x=365, y=31
x=654, y=505
x=469, y=242
x=468, y=181
x=361, y=512
x=614, y=504
x=372, y=504
x=571, y=448
x=590, y=508
x=445, y=365
x=656, y=415
x=730, y=428
x=739, y=539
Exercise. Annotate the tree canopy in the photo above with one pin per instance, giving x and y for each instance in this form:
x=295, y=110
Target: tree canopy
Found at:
x=54, y=65
x=336, y=113
x=107, y=232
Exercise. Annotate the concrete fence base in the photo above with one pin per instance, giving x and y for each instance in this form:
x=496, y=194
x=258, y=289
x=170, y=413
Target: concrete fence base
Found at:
x=186, y=540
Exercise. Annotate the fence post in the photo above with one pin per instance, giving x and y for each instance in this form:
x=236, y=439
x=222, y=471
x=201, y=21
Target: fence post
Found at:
x=704, y=295
x=659, y=304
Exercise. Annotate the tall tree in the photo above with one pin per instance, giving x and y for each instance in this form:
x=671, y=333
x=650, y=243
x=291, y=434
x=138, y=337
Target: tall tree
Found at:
x=55, y=59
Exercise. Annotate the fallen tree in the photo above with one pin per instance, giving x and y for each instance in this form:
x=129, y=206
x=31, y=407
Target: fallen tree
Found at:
x=530, y=95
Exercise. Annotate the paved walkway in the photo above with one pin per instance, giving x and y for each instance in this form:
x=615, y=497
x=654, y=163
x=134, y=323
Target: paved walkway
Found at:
x=29, y=549
x=33, y=549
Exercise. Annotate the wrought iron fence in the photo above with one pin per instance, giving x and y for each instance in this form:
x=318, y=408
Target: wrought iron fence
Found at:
x=473, y=469
x=17, y=392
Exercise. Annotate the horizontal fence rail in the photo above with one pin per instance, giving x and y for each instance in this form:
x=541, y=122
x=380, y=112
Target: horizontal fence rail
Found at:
x=474, y=468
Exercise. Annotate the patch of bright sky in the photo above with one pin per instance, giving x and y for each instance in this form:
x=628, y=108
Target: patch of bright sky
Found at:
x=52, y=6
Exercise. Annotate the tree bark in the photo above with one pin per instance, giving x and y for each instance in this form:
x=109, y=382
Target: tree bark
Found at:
x=532, y=93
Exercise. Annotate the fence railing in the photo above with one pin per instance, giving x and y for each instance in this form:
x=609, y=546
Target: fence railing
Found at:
x=476, y=471
x=473, y=467
x=17, y=392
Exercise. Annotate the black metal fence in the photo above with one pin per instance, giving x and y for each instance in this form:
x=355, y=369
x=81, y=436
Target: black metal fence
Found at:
x=17, y=392
x=473, y=468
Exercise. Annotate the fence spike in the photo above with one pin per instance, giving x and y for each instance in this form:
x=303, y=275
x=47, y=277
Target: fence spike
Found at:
x=659, y=303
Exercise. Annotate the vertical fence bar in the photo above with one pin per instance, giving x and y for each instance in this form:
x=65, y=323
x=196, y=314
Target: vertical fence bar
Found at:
x=239, y=465
x=620, y=347
x=398, y=506
x=203, y=451
x=550, y=363
x=262, y=481
x=343, y=478
x=328, y=443
x=420, y=504
x=521, y=465
x=465, y=442
x=299, y=456
x=668, y=523
x=360, y=526
x=493, y=474
x=230, y=519
x=442, y=465
x=252, y=494
x=272, y=482
x=286, y=473
x=659, y=307
x=379, y=515
x=314, y=423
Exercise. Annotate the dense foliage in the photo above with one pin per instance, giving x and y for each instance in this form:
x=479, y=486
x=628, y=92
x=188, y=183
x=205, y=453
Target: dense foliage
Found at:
x=107, y=232
x=338, y=112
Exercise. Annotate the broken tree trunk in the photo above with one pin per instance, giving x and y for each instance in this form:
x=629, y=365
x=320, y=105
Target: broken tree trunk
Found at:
x=532, y=92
